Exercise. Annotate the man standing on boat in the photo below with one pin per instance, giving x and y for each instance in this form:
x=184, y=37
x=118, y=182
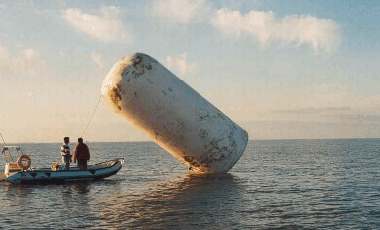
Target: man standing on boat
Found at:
x=81, y=154
x=65, y=152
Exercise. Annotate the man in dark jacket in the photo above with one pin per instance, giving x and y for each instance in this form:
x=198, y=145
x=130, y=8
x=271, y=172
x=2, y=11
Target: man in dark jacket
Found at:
x=81, y=154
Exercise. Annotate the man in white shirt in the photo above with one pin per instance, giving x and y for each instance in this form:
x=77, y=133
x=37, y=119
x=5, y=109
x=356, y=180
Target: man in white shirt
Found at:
x=65, y=153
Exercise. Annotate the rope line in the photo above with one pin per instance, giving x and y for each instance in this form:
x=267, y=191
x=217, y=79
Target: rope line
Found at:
x=2, y=138
x=92, y=116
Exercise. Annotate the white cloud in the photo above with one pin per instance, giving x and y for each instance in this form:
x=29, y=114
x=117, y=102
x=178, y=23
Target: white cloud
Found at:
x=180, y=11
x=24, y=62
x=4, y=59
x=29, y=60
x=97, y=58
x=179, y=64
x=105, y=26
x=319, y=34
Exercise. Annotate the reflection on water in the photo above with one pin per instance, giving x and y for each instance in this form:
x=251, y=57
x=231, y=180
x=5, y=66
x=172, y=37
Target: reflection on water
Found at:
x=314, y=184
x=190, y=201
x=180, y=202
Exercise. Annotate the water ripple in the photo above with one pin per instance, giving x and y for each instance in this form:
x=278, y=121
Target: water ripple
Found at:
x=298, y=184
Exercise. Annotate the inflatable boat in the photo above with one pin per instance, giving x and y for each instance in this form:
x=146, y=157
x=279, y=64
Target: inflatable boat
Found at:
x=20, y=172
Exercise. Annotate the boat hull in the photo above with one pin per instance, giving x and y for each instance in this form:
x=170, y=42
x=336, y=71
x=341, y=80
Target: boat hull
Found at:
x=94, y=172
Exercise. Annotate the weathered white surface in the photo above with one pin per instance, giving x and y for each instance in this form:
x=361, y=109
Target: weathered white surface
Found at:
x=174, y=115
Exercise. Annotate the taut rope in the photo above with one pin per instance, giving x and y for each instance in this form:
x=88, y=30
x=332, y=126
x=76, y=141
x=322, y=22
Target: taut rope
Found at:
x=92, y=116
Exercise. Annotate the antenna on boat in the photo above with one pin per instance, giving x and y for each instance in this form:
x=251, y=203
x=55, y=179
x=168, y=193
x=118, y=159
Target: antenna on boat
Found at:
x=92, y=115
x=8, y=156
x=2, y=138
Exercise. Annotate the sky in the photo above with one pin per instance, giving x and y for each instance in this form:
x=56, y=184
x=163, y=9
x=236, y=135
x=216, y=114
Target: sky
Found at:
x=281, y=69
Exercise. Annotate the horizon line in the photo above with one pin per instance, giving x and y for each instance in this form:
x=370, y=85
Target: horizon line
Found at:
x=250, y=140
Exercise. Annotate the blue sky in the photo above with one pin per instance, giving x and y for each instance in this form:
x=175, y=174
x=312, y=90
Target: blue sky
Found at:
x=281, y=69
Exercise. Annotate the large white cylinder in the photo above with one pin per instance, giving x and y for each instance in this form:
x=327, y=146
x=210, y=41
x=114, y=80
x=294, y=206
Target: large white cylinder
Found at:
x=174, y=115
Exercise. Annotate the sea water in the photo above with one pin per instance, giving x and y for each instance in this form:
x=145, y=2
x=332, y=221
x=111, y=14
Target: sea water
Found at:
x=293, y=184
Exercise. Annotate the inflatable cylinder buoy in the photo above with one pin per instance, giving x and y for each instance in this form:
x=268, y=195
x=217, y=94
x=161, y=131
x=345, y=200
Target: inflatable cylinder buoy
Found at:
x=174, y=115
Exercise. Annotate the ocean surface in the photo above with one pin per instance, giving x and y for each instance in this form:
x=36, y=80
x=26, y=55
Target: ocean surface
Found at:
x=292, y=184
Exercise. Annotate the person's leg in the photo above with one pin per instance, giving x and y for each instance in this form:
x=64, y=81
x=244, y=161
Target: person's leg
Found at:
x=85, y=164
x=67, y=162
x=64, y=161
x=81, y=164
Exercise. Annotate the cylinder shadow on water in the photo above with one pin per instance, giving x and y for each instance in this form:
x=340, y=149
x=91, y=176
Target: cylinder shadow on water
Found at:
x=191, y=201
